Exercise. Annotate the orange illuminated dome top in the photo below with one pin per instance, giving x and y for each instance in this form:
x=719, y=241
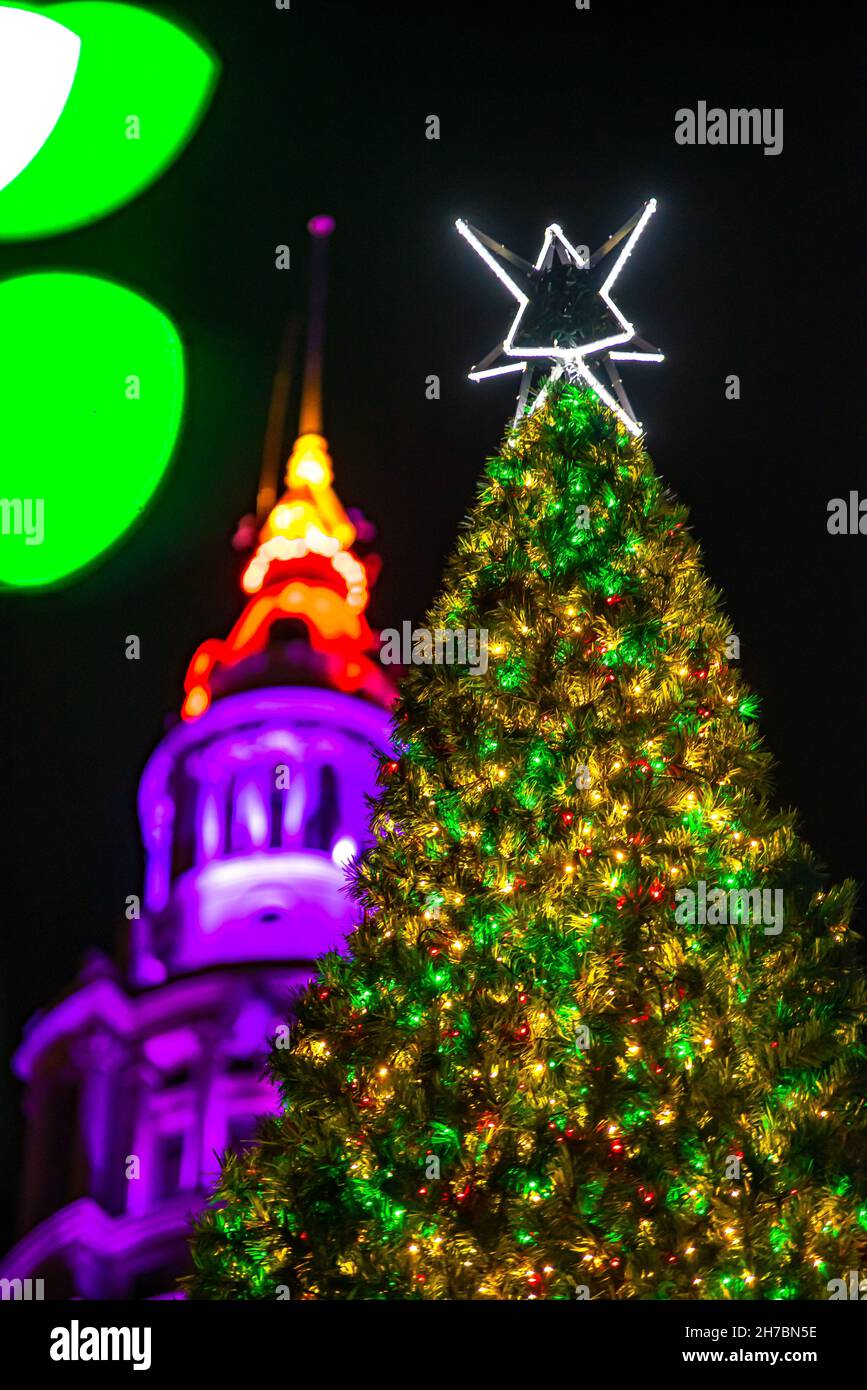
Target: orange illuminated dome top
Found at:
x=309, y=520
x=302, y=568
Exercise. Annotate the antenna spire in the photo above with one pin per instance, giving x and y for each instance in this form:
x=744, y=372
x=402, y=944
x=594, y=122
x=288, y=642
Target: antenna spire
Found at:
x=320, y=229
x=310, y=423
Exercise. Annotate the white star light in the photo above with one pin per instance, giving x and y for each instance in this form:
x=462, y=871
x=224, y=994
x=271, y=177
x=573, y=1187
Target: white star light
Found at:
x=571, y=358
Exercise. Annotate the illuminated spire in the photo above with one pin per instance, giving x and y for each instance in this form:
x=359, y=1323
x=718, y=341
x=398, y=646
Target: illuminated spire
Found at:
x=320, y=229
x=309, y=517
x=303, y=565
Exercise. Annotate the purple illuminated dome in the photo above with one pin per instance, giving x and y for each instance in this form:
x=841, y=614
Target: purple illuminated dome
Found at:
x=250, y=808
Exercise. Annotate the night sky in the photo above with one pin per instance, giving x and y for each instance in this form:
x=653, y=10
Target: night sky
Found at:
x=547, y=114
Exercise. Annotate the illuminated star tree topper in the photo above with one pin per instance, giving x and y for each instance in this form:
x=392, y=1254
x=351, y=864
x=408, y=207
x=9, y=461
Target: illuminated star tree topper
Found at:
x=566, y=316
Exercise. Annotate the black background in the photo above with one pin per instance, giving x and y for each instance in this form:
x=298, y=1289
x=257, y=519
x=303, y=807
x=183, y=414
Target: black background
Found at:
x=749, y=267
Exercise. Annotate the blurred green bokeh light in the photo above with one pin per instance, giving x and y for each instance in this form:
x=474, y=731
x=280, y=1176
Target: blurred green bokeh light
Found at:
x=140, y=90
x=91, y=402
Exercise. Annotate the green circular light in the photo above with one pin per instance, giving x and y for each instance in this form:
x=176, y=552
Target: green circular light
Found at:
x=91, y=401
x=140, y=89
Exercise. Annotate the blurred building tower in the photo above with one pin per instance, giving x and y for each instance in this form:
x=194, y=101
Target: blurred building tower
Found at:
x=250, y=809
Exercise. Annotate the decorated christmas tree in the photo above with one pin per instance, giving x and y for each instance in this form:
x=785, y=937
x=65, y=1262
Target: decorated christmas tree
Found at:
x=599, y=1033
